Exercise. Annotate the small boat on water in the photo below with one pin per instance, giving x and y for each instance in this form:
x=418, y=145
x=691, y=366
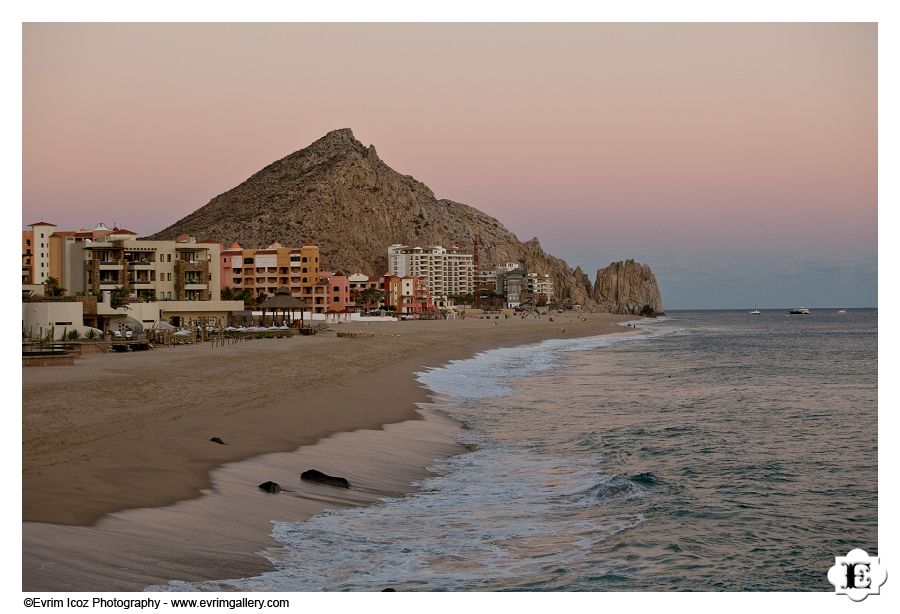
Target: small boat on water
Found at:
x=800, y=311
x=755, y=312
x=842, y=312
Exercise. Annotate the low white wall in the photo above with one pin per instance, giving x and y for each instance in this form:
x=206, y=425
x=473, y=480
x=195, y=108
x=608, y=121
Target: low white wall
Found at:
x=40, y=319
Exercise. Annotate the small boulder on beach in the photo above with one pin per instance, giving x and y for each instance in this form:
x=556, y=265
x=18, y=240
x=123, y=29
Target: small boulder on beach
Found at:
x=314, y=475
x=217, y=440
x=272, y=487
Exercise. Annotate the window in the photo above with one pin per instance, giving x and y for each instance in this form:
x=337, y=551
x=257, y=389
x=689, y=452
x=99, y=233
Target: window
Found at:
x=304, y=259
x=248, y=260
x=304, y=279
x=337, y=288
x=337, y=299
x=168, y=277
x=28, y=242
x=168, y=257
x=305, y=270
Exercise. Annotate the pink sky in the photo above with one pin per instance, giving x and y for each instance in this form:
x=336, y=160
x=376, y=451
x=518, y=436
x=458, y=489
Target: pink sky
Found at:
x=605, y=140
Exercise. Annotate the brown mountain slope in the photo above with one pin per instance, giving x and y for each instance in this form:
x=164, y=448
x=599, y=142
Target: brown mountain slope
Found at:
x=340, y=195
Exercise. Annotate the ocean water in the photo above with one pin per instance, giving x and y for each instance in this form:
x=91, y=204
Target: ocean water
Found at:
x=713, y=451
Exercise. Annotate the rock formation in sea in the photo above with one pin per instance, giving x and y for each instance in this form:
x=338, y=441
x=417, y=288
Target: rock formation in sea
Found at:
x=338, y=193
x=627, y=287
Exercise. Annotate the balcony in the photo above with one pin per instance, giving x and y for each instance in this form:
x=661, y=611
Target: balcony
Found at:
x=139, y=283
x=194, y=286
x=140, y=263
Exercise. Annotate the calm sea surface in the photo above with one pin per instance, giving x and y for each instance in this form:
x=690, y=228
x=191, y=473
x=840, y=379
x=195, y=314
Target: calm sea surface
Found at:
x=718, y=451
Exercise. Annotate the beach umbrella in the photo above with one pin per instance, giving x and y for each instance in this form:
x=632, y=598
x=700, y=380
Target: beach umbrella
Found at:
x=182, y=333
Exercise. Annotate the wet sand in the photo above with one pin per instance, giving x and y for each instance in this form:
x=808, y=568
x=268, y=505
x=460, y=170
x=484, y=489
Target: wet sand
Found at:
x=123, y=489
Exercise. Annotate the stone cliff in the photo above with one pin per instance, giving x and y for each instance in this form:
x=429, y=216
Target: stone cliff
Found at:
x=627, y=287
x=338, y=193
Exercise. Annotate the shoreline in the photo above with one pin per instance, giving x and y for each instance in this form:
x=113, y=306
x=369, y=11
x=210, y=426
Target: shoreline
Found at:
x=202, y=517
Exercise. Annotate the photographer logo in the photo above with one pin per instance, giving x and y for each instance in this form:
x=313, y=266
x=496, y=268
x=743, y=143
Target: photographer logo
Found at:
x=857, y=575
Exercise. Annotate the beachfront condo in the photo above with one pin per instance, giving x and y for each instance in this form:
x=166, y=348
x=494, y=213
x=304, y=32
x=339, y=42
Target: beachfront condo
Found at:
x=449, y=271
x=265, y=270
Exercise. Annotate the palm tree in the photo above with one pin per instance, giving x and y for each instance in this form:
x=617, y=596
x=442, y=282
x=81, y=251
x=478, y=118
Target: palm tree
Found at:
x=245, y=295
x=372, y=297
x=51, y=287
x=119, y=298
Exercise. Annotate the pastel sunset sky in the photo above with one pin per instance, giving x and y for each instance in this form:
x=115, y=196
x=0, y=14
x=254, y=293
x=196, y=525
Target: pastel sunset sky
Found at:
x=730, y=157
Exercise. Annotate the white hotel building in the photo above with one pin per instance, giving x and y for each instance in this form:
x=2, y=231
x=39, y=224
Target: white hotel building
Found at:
x=449, y=271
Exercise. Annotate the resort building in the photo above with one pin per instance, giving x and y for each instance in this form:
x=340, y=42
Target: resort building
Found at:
x=67, y=258
x=517, y=285
x=486, y=280
x=103, y=259
x=361, y=281
x=512, y=284
x=180, y=270
x=448, y=271
x=337, y=292
x=540, y=285
x=266, y=270
x=407, y=295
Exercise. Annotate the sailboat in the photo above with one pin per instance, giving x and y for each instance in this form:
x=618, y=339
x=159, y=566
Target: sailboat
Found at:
x=755, y=311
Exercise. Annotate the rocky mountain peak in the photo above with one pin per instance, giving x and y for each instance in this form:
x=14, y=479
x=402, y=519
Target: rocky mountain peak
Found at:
x=338, y=193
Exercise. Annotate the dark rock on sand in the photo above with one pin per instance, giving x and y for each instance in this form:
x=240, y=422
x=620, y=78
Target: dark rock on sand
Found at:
x=272, y=487
x=314, y=475
x=217, y=440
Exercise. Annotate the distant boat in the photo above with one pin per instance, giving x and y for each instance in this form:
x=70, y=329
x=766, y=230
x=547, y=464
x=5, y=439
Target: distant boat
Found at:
x=756, y=310
x=842, y=312
x=802, y=311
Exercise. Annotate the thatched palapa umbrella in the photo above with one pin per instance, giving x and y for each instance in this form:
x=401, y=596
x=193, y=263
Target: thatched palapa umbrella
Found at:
x=282, y=300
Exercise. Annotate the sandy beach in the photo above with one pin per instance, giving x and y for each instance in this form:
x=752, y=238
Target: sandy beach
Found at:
x=123, y=489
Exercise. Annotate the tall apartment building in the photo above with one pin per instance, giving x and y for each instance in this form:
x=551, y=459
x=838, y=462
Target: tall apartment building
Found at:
x=447, y=270
x=36, y=253
x=266, y=270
